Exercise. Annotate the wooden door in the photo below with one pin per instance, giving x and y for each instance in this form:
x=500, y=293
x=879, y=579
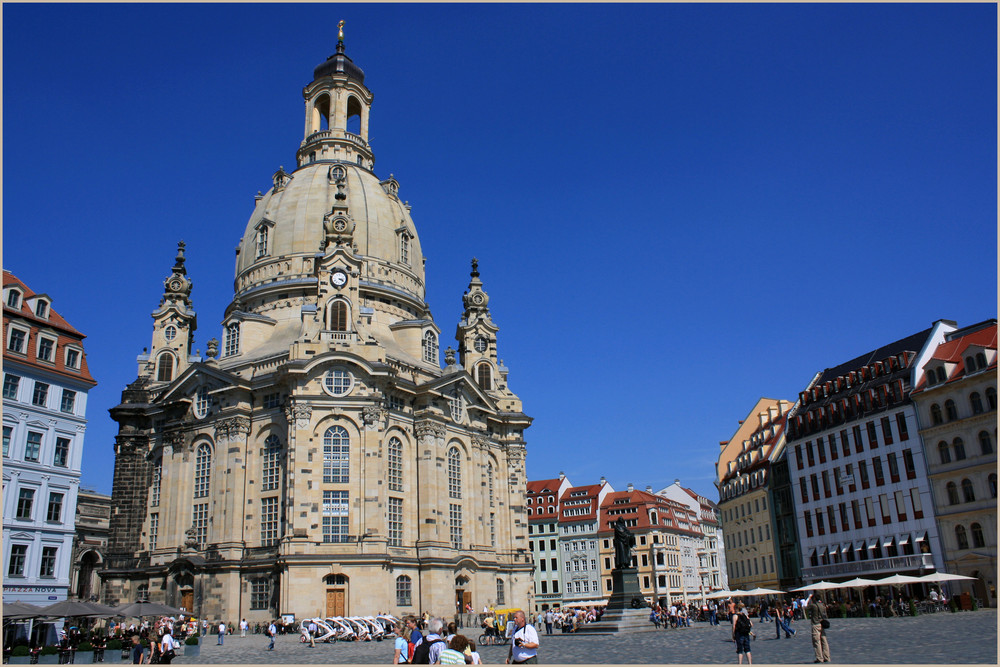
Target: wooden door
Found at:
x=187, y=601
x=336, y=600
x=466, y=599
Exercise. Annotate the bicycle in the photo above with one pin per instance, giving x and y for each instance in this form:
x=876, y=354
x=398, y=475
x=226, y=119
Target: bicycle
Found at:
x=490, y=639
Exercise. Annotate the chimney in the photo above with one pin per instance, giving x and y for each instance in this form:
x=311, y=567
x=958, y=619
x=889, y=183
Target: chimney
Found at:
x=677, y=481
x=562, y=475
x=603, y=481
x=630, y=488
x=649, y=489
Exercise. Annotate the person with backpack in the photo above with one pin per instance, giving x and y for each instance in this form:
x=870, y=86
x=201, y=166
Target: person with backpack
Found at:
x=523, y=642
x=428, y=652
x=401, y=654
x=742, y=629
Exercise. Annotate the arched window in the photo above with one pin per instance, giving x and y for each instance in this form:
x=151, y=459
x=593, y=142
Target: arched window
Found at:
x=395, y=460
x=232, y=344
x=489, y=481
x=961, y=537
x=165, y=367
x=950, y=411
x=992, y=481
x=952, y=490
x=991, y=397
x=500, y=592
x=944, y=452
x=404, y=248
x=940, y=374
x=154, y=485
x=936, y=414
x=454, y=473
x=262, y=241
x=404, y=588
x=970, y=365
x=201, y=402
x=978, y=541
x=336, y=455
x=430, y=347
x=981, y=360
x=336, y=580
x=338, y=316
x=270, y=475
x=967, y=491
x=202, y=471
x=959, y=449
x=985, y=443
x=353, y=115
x=529, y=511
x=483, y=378
x=976, y=401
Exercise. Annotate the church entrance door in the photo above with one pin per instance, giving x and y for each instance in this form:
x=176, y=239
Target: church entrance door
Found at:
x=336, y=602
x=187, y=601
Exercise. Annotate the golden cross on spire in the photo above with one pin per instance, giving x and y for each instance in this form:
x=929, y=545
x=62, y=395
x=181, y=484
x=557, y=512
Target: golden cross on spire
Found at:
x=340, y=31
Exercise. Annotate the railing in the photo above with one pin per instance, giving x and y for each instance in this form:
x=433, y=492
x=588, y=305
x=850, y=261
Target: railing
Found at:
x=337, y=336
x=879, y=565
x=355, y=139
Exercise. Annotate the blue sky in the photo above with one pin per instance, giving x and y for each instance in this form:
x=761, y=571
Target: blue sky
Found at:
x=677, y=209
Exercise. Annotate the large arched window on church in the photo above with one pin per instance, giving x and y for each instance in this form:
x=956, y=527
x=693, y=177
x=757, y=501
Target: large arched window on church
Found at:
x=395, y=460
x=501, y=597
x=203, y=471
x=338, y=316
x=165, y=367
x=232, y=343
x=430, y=347
x=353, y=115
x=454, y=473
x=483, y=376
x=961, y=538
x=404, y=591
x=271, y=473
x=336, y=455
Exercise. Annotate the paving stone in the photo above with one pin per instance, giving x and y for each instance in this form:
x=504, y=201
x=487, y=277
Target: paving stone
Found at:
x=942, y=638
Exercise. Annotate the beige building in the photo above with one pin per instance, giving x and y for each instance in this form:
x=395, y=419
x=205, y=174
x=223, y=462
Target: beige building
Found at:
x=323, y=461
x=956, y=401
x=743, y=478
x=90, y=545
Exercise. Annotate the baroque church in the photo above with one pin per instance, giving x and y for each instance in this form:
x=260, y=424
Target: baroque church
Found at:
x=321, y=461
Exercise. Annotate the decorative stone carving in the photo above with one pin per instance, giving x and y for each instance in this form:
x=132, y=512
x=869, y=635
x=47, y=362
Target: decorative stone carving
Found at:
x=234, y=428
x=299, y=414
x=480, y=440
x=373, y=415
x=430, y=428
x=212, y=350
x=191, y=538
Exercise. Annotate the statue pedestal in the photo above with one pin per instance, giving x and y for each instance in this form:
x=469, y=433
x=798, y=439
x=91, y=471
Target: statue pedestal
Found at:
x=621, y=616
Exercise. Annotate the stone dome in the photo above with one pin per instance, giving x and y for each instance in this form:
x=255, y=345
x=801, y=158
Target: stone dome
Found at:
x=339, y=63
x=293, y=213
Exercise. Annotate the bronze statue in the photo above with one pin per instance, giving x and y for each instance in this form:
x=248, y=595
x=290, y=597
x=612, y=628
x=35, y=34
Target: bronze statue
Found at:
x=340, y=31
x=624, y=541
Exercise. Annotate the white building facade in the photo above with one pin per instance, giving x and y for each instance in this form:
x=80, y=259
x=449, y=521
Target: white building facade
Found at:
x=45, y=385
x=703, y=557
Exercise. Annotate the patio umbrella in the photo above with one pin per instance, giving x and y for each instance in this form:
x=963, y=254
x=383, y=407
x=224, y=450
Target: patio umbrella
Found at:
x=764, y=591
x=899, y=580
x=65, y=608
x=818, y=586
x=942, y=576
x=140, y=609
x=860, y=584
x=20, y=610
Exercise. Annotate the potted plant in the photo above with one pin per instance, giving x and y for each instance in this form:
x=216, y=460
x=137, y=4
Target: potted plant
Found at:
x=191, y=646
x=84, y=653
x=20, y=655
x=113, y=651
x=49, y=655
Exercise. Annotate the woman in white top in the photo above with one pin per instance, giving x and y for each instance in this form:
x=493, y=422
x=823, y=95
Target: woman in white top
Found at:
x=166, y=646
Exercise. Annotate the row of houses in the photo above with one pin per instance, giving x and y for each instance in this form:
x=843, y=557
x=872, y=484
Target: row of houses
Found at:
x=885, y=464
x=678, y=550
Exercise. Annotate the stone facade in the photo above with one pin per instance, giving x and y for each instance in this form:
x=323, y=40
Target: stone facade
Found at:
x=93, y=517
x=321, y=460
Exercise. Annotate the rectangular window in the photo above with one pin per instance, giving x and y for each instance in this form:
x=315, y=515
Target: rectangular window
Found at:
x=553, y=564
x=545, y=587
x=849, y=473
x=872, y=435
x=260, y=593
x=61, y=457
x=396, y=522
x=833, y=446
x=15, y=341
x=911, y=471
x=893, y=467
x=826, y=483
x=904, y=435
x=268, y=522
x=845, y=446
x=199, y=520
x=154, y=529
x=870, y=511
x=859, y=445
x=14, y=299
x=804, y=490
x=272, y=401
x=836, y=481
x=335, y=516
x=542, y=565
x=809, y=524
x=72, y=358
x=493, y=529
x=900, y=506
x=856, y=511
x=54, y=511
x=815, y=485
x=821, y=449
x=47, y=567
x=45, y=347
x=455, y=524
x=569, y=566
x=832, y=518
x=883, y=501
x=863, y=473
x=798, y=456
x=809, y=453
x=7, y=431
x=877, y=468
x=41, y=394
x=25, y=501
x=844, y=523
x=820, y=526
x=33, y=447
x=18, y=554
x=918, y=510
x=886, y=431
x=10, y=386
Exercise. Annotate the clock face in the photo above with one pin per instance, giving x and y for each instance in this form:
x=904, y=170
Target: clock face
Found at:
x=339, y=278
x=480, y=344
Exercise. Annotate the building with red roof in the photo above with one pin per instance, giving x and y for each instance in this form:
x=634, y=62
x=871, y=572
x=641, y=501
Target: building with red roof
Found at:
x=703, y=559
x=956, y=403
x=45, y=385
x=542, y=501
x=579, y=554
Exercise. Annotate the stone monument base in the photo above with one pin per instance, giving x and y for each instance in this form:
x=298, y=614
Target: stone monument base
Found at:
x=621, y=616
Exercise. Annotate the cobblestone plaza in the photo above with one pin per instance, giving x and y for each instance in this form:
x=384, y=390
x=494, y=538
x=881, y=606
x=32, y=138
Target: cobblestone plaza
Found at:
x=942, y=638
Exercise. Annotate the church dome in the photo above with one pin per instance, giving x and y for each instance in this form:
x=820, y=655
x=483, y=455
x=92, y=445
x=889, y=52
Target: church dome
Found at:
x=339, y=63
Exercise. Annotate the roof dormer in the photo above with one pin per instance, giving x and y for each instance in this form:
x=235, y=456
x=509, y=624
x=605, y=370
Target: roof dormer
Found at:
x=40, y=305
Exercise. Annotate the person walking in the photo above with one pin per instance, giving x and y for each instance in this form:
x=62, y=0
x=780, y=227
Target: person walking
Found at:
x=138, y=657
x=548, y=622
x=713, y=613
x=780, y=624
x=816, y=613
x=401, y=647
x=243, y=627
x=742, y=629
x=222, y=632
x=523, y=642
x=271, y=632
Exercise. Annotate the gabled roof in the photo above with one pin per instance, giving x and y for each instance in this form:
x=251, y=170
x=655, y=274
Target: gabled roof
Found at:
x=179, y=386
x=957, y=343
x=912, y=343
x=543, y=486
x=54, y=320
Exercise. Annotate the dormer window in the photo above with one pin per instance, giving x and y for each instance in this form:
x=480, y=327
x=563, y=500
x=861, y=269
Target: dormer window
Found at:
x=46, y=348
x=232, y=337
x=430, y=347
x=404, y=248
x=72, y=358
x=42, y=309
x=14, y=299
x=262, y=238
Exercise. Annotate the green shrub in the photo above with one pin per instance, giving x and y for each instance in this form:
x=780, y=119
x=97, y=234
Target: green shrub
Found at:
x=20, y=651
x=913, y=607
x=114, y=645
x=50, y=650
x=192, y=640
x=85, y=646
x=952, y=607
x=975, y=604
x=843, y=610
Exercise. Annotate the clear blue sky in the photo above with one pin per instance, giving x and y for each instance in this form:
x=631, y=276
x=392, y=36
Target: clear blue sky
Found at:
x=677, y=209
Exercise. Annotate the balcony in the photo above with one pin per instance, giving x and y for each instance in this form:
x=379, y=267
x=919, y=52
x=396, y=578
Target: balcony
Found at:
x=350, y=137
x=886, y=566
x=343, y=337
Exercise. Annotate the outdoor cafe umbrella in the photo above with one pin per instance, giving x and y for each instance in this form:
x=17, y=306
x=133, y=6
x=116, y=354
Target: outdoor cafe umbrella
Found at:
x=859, y=583
x=817, y=586
x=763, y=591
x=942, y=576
x=20, y=610
x=67, y=608
x=140, y=609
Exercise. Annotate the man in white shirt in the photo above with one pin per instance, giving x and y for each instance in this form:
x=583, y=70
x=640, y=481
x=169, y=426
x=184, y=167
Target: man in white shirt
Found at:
x=271, y=631
x=243, y=627
x=523, y=642
x=222, y=632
